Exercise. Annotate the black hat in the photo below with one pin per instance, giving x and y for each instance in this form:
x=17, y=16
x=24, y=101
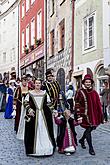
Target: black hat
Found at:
x=28, y=75
x=18, y=79
x=49, y=72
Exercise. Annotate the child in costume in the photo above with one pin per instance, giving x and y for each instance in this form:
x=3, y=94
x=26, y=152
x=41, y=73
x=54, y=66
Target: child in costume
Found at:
x=66, y=135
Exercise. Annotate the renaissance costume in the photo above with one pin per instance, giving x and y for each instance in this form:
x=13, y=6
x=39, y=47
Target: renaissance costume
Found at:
x=39, y=137
x=88, y=106
x=66, y=136
x=9, y=104
x=19, y=97
x=21, y=126
x=53, y=89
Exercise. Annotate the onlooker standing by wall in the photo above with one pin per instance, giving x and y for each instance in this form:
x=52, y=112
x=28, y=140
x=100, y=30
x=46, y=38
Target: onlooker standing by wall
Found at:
x=69, y=96
x=105, y=100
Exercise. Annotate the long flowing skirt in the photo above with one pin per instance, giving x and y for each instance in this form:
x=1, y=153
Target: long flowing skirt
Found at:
x=9, y=108
x=21, y=127
x=42, y=142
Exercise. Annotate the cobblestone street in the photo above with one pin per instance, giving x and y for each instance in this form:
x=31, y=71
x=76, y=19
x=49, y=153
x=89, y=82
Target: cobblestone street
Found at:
x=12, y=150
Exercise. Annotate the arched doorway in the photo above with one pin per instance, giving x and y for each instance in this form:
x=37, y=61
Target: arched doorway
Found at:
x=61, y=78
x=89, y=71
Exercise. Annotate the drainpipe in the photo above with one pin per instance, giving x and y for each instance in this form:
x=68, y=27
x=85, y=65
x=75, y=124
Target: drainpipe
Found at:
x=18, y=43
x=72, y=54
x=45, y=36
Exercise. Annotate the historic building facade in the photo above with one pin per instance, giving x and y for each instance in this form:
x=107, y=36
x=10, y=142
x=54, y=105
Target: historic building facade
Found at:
x=32, y=37
x=92, y=39
x=59, y=39
x=8, y=37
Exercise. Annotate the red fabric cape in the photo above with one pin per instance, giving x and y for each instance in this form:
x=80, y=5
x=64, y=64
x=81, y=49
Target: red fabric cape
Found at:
x=94, y=109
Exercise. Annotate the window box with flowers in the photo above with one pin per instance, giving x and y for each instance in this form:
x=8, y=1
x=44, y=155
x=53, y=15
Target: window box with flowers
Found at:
x=38, y=42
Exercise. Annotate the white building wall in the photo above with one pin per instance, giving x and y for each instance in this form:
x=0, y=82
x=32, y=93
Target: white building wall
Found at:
x=9, y=38
x=106, y=32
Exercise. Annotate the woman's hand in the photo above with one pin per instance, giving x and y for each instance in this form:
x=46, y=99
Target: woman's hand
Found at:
x=55, y=113
x=31, y=113
x=14, y=107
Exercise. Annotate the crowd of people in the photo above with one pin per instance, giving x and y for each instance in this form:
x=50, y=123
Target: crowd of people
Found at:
x=46, y=117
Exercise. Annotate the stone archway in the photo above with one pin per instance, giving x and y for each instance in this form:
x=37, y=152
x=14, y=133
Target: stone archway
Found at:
x=61, y=78
x=101, y=78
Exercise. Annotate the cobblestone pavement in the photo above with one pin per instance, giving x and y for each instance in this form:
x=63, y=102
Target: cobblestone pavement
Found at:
x=12, y=150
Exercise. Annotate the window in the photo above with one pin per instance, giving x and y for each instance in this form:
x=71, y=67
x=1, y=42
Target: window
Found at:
x=52, y=43
x=22, y=42
x=33, y=32
x=27, y=5
x=4, y=57
x=89, y=32
x=39, y=25
x=51, y=7
x=32, y=1
x=27, y=36
x=23, y=10
x=61, y=35
x=61, y=2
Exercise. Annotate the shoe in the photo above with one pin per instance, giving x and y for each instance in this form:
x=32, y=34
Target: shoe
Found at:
x=67, y=154
x=91, y=151
x=60, y=151
x=82, y=143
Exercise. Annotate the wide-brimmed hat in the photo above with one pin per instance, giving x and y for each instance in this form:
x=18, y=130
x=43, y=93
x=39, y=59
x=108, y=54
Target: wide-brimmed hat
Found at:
x=87, y=77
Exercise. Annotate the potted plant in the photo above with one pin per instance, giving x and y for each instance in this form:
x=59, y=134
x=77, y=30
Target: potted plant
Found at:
x=31, y=47
x=26, y=49
x=38, y=42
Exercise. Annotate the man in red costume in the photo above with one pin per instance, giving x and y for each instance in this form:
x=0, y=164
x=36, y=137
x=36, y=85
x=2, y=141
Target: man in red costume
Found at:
x=88, y=106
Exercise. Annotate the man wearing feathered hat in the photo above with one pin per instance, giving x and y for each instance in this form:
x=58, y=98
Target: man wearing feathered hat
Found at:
x=88, y=106
x=51, y=86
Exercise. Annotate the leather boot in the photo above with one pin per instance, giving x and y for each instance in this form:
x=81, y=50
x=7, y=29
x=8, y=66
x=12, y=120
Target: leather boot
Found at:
x=81, y=141
x=91, y=151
